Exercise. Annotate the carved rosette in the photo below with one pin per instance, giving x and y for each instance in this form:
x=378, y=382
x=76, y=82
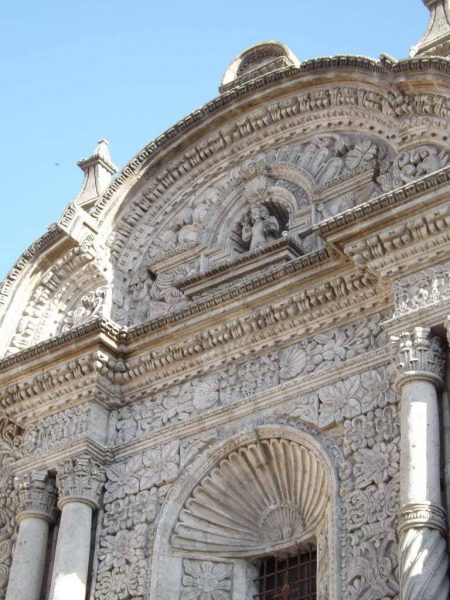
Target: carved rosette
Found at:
x=36, y=495
x=80, y=479
x=418, y=355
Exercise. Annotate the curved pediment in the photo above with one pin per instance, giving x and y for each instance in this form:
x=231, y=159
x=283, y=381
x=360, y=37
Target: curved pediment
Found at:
x=242, y=178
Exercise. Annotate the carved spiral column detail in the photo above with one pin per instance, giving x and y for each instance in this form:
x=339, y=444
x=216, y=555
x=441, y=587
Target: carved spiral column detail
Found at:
x=419, y=360
x=423, y=565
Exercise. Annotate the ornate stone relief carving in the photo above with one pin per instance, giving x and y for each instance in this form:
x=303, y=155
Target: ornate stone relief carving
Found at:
x=415, y=163
x=422, y=289
x=51, y=298
x=236, y=382
x=90, y=306
x=355, y=395
x=80, y=477
x=10, y=436
x=86, y=420
x=36, y=494
x=259, y=227
x=286, y=481
x=206, y=580
x=153, y=467
x=125, y=545
x=370, y=490
x=135, y=490
x=245, y=210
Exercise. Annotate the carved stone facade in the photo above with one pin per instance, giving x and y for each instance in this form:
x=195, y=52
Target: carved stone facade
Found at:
x=237, y=349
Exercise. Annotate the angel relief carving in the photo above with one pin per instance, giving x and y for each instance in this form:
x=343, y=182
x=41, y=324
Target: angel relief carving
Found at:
x=147, y=296
x=88, y=307
x=188, y=227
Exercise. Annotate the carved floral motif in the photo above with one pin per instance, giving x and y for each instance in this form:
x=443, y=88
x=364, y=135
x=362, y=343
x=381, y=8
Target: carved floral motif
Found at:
x=142, y=471
x=254, y=376
x=205, y=580
x=125, y=542
x=370, y=490
x=10, y=437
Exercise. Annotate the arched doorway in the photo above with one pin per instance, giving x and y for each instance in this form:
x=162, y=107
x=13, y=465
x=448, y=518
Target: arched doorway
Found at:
x=266, y=494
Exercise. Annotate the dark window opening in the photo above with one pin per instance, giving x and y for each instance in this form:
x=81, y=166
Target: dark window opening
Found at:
x=291, y=578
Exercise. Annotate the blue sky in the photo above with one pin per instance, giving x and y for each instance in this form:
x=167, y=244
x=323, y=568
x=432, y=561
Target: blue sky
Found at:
x=126, y=70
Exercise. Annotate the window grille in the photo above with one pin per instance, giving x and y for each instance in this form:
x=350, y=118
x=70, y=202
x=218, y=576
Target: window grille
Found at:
x=293, y=578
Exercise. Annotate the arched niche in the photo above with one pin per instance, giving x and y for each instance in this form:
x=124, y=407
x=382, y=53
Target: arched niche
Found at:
x=59, y=292
x=263, y=493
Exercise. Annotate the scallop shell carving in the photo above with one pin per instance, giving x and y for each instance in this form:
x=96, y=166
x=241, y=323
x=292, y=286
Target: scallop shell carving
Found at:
x=268, y=494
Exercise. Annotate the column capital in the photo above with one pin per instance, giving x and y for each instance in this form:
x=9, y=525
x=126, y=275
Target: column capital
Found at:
x=80, y=479
x=36, y=494
x=418, y=354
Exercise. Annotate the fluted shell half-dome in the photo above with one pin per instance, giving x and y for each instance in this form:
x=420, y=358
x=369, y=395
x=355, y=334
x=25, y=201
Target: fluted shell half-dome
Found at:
x=265, y=495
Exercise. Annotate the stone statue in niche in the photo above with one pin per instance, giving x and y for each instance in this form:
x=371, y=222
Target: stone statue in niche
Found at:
x=90, y=306
x=259, y=227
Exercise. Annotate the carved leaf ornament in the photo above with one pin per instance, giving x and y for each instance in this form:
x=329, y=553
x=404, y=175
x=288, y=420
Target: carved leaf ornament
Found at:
x=266, y=495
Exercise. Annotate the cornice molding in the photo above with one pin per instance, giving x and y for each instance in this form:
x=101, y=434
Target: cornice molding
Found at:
x=377, y=205
x=333, y=301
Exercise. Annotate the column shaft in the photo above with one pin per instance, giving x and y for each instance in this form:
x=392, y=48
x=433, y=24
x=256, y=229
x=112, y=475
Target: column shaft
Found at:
x=70, y=569
x=27, y=569
x=420, y=448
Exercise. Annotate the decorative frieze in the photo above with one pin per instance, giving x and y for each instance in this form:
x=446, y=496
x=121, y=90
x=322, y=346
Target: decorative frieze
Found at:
x=88, y=420
x=422, y=290
x=80, y=479
x=231, y=384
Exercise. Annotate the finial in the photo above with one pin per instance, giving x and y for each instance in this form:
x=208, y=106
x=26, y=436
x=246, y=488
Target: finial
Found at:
x=98, y=170
x=436, y=41
x=255, y=62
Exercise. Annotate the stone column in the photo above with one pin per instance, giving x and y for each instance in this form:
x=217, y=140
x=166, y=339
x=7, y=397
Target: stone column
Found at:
x=79, y=481
x=419, y=360
x=37, y=503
